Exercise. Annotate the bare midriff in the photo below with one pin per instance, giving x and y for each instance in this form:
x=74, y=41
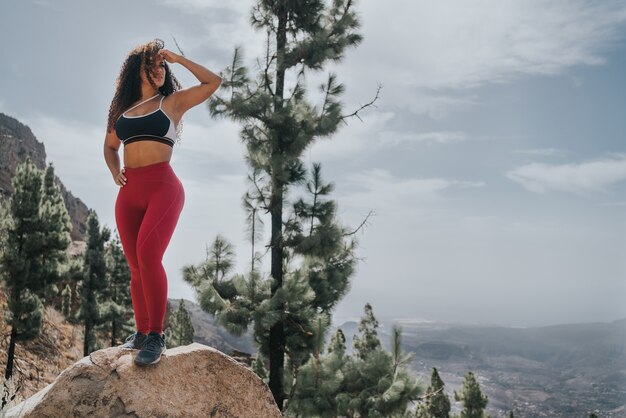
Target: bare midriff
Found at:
x=142, y=153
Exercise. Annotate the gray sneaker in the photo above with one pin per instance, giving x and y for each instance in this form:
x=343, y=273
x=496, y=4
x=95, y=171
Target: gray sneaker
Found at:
x=151, y=351
x=134, y=341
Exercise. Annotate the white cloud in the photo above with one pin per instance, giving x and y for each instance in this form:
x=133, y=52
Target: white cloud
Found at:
x=396, y=138
x=380, y=190
x=215, y=140
x=447, y=47
x=477, y=42
x=226, y=24
x=573, y=178
x=195, y=6
x=435, y=51
x=546, y=152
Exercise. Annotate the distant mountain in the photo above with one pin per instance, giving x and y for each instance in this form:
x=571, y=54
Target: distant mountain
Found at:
x=556, y=371
x=17, y=142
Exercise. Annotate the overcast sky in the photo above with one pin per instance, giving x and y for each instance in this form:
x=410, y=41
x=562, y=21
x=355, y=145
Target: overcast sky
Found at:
x=494, y=160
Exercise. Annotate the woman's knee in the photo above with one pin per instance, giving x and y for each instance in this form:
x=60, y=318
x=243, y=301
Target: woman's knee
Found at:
x=150, y=252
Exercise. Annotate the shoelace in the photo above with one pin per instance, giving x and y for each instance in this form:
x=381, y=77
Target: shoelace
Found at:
x=153, y=343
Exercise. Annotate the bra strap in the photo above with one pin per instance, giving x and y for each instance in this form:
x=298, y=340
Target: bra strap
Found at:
x=161, y=102
x=142, y=103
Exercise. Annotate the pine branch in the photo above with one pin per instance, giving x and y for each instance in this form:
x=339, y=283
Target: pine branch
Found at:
x=356, y=112
x=297, y=86
x=268, y=62
x=343, y=16
x=359, y=227
x=302, y=330
x=265, y=205
x=328, y=85
x=232, y=74
x=431, y=394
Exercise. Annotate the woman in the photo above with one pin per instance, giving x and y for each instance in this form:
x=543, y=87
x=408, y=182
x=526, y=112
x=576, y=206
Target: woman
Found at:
x=144, y=115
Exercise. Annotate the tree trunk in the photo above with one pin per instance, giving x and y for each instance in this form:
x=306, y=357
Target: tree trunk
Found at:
x=9, y=370
x=277, y=333
x=86, y=340
x=113, y=332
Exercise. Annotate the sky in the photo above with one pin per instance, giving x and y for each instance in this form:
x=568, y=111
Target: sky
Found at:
x=493, y=161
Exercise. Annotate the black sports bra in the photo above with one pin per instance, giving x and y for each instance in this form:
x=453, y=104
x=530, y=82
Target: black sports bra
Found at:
x=153, y=126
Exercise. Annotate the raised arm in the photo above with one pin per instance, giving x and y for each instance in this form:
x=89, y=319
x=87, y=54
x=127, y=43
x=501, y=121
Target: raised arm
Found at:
x=185, y=99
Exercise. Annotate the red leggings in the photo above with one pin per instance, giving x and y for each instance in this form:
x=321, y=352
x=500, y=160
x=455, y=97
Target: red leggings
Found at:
x=146, y=212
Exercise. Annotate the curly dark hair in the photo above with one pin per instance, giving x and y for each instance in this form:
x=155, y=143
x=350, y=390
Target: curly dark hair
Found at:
x=128, y=83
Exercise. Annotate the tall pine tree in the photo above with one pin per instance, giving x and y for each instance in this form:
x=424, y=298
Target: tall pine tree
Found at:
x=309, y=292
x=93, y=281
x=277, y=128
x=35, y=239
x=117, y=308
x=57, y=225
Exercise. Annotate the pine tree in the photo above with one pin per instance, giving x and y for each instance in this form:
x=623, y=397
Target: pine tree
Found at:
x=368, y=340
x=66, y=307
x=258, y=366
x=34, y=242
x=337, y=342
x=277, y=129
x=474, y=402
x=56, y=239
x=222, y=258
x=180, y=330
x=336, y=384
x=116, y=305
x=74, y=281
x=93, y=281
x=318, y=381
x=376, y=383
x=437, y=404
x=254, y=222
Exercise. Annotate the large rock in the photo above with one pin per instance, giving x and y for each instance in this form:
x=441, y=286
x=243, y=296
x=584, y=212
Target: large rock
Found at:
x=189, y=381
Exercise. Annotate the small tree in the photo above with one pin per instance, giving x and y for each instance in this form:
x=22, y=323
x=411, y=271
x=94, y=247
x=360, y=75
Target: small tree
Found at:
x=258, y=366
x=437, y=402
x=368, y=340
x=117, y=308
x=180, y=330
x=318, y=381
x=93, y=281
x=66, y=304
x=378, y=384
x=474, y=402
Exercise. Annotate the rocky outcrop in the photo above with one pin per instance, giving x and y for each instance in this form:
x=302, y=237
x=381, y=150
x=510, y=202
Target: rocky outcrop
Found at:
x=17, y=142
x=189, y=381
